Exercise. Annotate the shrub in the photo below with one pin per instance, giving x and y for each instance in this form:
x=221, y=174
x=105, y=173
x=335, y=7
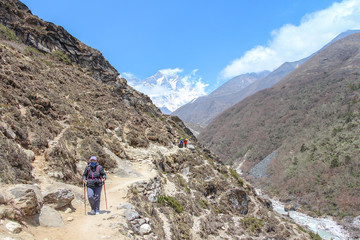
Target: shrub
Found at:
x=254, y=224
x=59, y=55
x=315, y=236
x=235, y=175
x=8, y=34
x=170, y=201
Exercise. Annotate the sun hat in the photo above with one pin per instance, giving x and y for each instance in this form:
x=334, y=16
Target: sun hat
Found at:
x=93, y=158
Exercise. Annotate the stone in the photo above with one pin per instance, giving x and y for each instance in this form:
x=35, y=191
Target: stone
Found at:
x=25, y=199
x=145, y=229
x=238, y=199
x=68, y=210
x=2, y=199
x=191, y=147
x=30, y=154
x=49, y=217
x=140, y=221
x=69, y=219
x=13, y=227
x=147, y=220
x=125, y=206
x=290, y=207
x=58, y=198
x=131, y=214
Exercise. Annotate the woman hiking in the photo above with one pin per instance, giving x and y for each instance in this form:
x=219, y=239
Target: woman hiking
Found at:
x=94, y=176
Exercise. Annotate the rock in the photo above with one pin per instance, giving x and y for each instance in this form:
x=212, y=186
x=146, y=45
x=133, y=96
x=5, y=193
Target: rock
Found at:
x=69, y=219
x=25, y=199
x=238, y=200
x=145, y=229
x=191, y=147
x=131, y=214
x=290, y=207
x=7, y=131
x=58, y=198
x=30, y=154
x=49, y=217
x=2, y=199
x=266, y=202
x=68, y=210
x=147, y=220
x=138, y=222
x=56, y=174
x=125, y=206
x=13, y=227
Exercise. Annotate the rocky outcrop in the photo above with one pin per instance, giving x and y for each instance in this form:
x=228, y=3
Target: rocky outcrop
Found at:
x=50, y=38
x=26, y=199
x=59, y=198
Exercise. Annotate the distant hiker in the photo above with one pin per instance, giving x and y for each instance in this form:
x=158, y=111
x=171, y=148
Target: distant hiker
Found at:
x=185, y=142
x=94, y=176
x=181, y=143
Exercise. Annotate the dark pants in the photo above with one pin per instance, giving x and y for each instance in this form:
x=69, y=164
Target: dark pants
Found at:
x=94, y=195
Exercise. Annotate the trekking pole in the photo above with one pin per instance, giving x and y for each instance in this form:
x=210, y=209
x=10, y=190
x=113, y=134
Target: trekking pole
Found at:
x=85, y=198
x=105, y=195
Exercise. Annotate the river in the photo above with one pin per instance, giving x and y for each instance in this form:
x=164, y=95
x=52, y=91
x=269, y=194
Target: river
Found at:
x=327, y=228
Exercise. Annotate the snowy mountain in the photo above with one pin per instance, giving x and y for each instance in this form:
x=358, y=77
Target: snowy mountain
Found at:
x=170, y=88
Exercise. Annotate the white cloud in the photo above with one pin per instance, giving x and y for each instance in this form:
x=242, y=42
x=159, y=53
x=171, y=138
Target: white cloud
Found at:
x=291, y=43
x=127, y=75
x=172, y=89
x=170, y=72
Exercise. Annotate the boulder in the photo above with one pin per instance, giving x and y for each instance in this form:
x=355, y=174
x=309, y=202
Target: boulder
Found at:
x=145, y=229
x=25, y=199
x=131, y=214
x=237, y=199
x=290, y=207
x=13, y=227
x=58, y=198
x=49, y=217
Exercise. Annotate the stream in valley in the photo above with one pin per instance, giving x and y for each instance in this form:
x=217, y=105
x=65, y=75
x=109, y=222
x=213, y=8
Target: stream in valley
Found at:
x=325, y=227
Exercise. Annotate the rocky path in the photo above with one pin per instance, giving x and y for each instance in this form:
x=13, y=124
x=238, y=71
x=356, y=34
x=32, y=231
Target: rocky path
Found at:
x=79, y=226
x=104, y=226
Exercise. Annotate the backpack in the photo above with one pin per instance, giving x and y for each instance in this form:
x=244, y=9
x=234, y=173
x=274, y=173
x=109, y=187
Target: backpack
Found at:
x=92, y=180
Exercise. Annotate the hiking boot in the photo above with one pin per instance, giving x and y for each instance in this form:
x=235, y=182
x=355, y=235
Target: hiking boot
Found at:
x=92, y=212
x=97, y=212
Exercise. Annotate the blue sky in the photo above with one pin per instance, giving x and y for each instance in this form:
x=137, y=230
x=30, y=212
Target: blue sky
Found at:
x=221, y=39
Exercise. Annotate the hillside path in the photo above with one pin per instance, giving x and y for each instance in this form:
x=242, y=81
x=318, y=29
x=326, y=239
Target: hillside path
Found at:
x=103, y=226
x=106, y=225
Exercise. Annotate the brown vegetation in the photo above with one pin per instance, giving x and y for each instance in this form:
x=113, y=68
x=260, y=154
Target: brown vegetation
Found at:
x=312, y=119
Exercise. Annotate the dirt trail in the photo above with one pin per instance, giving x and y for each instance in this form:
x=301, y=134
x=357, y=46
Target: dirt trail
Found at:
x=101, y=226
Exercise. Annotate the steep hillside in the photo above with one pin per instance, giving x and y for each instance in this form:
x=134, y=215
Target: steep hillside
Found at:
x=56, y=112
x=204, y=109
x=311, y=119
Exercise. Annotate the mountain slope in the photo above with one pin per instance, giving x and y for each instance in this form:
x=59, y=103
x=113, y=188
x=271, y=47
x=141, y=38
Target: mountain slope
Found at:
x=204, y=109
x=56, y=113
x=311, y=119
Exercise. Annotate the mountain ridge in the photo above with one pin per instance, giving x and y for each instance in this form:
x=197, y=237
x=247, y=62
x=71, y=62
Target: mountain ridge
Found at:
x=204, y=117
x=309, y=118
